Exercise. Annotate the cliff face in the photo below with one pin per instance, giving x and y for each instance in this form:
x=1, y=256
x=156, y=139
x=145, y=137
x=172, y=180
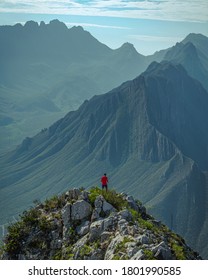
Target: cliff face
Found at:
x=92, y=225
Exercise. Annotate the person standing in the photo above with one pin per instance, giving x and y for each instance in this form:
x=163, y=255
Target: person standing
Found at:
x=104, y=181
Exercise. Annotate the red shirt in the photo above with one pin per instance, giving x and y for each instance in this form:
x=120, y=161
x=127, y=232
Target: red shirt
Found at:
x=104, y=180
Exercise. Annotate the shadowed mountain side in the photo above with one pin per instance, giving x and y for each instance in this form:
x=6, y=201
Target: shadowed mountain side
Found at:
x=147, y=134
x=195, y=62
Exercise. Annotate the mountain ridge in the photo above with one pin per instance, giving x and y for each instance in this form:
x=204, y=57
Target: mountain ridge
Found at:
x=135, y=139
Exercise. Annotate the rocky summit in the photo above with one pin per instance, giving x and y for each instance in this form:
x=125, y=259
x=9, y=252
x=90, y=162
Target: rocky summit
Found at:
x=92, y=225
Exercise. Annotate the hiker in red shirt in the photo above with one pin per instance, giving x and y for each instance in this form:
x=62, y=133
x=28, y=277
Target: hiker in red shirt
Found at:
x=104, y=181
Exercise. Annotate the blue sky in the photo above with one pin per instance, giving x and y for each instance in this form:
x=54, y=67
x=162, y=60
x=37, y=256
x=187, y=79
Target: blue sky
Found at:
x=150, y=25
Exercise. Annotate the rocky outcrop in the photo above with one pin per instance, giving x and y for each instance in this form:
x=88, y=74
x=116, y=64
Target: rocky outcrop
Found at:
x=92, y=225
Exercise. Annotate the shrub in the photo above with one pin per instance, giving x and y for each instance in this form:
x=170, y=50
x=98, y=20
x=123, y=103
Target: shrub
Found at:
x=111, y=196
x=56, y=202
x=178, y=251
x=85, y=251
x=149, y=255
x=121, y=246
x=14, y=239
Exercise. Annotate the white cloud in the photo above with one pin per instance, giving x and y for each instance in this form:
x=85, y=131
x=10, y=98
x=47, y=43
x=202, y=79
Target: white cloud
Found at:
x=83, y=24
x=175, y=10
x=163, y=39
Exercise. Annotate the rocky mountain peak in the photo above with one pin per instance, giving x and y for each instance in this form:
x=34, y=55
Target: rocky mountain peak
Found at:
x=92, y=225
x=31, y=25
x=57, y=24
x=128, y=49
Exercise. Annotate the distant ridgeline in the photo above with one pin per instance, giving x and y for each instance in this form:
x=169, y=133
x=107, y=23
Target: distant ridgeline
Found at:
x=92, y=225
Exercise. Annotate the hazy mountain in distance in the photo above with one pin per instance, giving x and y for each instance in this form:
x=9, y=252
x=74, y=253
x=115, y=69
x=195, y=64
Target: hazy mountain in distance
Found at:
x=50, y=63
x=192, y=54
x=150, y=136
x=54, y=63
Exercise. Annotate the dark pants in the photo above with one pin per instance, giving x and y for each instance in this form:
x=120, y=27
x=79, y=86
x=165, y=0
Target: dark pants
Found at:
x=105, y=186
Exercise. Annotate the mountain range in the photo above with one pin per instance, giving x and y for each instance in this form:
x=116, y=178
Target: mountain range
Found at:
x=48, y=70
x=149, y=134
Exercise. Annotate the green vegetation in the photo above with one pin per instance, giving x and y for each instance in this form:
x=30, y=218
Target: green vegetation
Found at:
x=111, y=196
x=85, y=251
x=54, y=203
x=149, y=255
x=16, y=234
x=19, y=231
x=120, y=250
x=121, y=246
x=178, y=251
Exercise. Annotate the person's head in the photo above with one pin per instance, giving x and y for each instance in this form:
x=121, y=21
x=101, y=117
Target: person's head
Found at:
x=104, y=174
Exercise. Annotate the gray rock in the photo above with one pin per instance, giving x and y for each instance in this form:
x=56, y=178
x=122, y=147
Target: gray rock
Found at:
x=56, y=244
x=95, y=215
x=73, y=194
x=78, y=245
x=131, y=249
x=143, y=239
x=123, y=229
x=83, y=228
x=125, y=214
x=99, y=202
x=105, y=236
x=84, y=196
x=112, y=246
x=107, y=207
x=98, y=254
x=138, y=256
x=101, y=205
x=96, y=230
x=80, y=210
x=132, y=203
x=109, y=223
x=162, y=251
x=66, y=214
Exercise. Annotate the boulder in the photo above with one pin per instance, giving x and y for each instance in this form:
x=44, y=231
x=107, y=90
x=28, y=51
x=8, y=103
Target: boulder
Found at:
x=80, y=210
x=96, y=230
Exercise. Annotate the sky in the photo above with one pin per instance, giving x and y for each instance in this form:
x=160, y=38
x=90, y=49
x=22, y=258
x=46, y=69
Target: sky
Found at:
x=150, y=25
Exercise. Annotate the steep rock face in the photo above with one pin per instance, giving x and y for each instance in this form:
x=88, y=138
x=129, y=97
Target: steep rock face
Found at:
x=192, y=60
x=83, y=225
x=173, y=101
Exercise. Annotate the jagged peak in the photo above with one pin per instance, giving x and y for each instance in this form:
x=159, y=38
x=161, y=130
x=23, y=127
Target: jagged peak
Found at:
x=78, y=28
x=128, y=47
x=194, y=36
x=31, y=24
x=58, y=24
x=164, y=67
